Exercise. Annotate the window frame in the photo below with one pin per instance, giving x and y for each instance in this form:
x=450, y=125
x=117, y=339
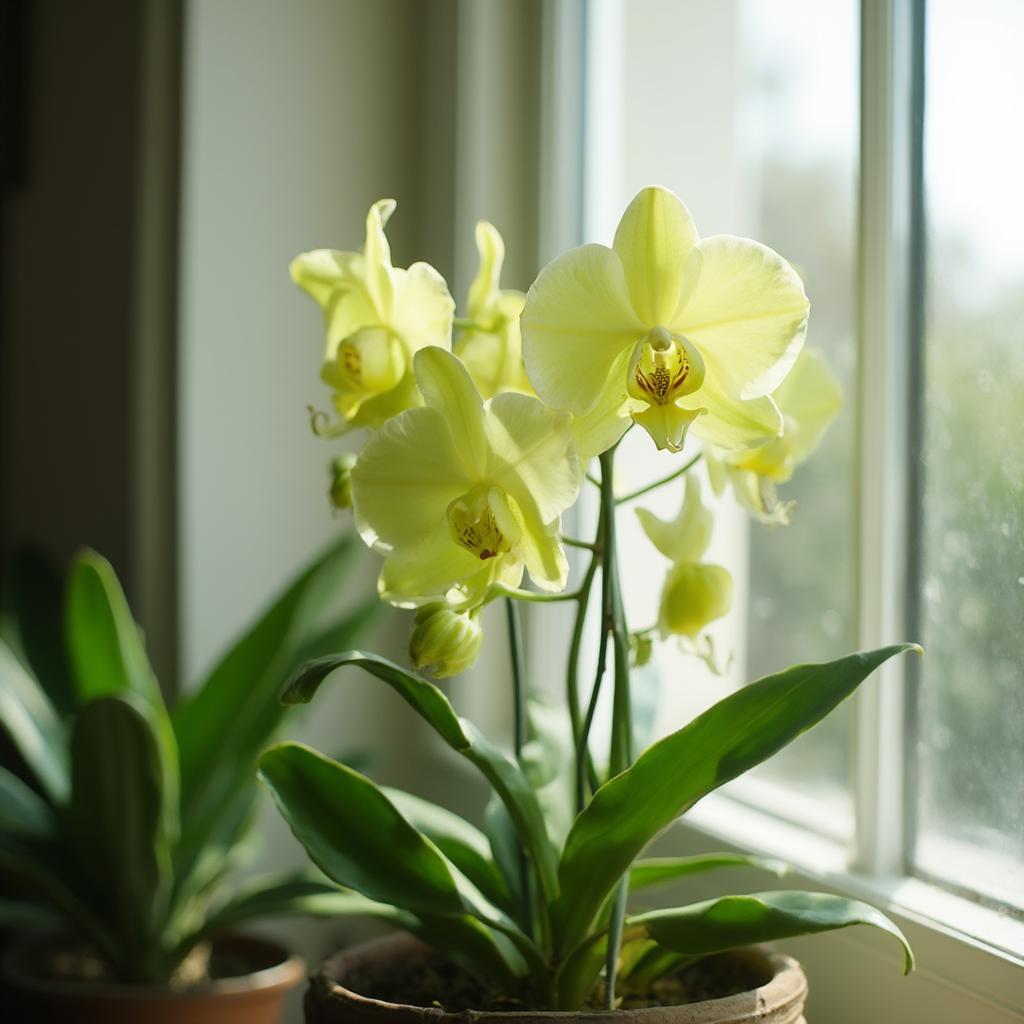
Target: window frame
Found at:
x=969, y=956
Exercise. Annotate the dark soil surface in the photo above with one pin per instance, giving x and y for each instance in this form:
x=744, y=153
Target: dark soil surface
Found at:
x=432, y=980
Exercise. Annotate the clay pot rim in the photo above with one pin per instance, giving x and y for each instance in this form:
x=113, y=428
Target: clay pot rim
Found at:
x=787, y=986
x=281, y=976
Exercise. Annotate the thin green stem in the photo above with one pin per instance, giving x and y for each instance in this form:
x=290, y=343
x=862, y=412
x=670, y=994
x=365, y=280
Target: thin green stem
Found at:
x=660, y=483
x=621, y=754
x=591, y=479
x=584, y=767
x=575, y=542
x=520, y=728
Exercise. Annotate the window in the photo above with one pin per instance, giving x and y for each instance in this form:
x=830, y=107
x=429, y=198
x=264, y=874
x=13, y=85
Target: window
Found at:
x=875, y=145
x=969, y=579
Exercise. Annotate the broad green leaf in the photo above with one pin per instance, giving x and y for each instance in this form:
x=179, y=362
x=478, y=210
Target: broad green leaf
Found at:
x=28, y=717
x=547, y=759
x=224, y=726
x=37, y=614
x=23, y=813
x=463, y=844
x=733, y=921
x=669, y=777
x=653, y=871
x=357, y=837
x=104, y=643
x=504, y=844
x=117, y=820
x=462, y=736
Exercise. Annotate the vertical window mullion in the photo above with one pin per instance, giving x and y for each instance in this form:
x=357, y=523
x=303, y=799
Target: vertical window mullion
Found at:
x=884, y=383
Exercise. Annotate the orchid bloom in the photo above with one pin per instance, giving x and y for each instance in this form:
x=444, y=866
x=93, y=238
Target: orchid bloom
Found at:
x=809, y=399
x=376, y=316
x=491, y=348
x=695, y=593
x=668, y=328
x=463, y=494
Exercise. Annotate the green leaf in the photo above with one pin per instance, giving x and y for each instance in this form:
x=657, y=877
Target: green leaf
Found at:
x=733, y=921
x=28, y=717
x=224, y=726
x=463, y=844
x=118, y=822
x=357, y=837
x=54, y=885
x=297, y=893
x=18, y=916
x=108, y=659
x=104, y=643
x=546, y=761
x=36, y=606
x=462, y=736
x=23, y=813
x=669, y=777
x=653, y=871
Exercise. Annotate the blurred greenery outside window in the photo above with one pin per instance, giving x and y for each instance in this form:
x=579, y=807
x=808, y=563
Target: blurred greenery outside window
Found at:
x=796, y=128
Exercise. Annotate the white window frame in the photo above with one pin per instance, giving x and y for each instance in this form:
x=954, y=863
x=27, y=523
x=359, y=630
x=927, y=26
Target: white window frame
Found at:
x=970, y=958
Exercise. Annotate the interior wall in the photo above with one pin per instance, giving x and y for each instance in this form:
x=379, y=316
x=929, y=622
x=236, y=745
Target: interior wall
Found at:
x=66, y=358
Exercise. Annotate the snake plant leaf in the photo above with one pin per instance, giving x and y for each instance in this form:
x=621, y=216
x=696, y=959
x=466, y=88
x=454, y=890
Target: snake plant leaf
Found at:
x=462, y=843
x=733, y=921
x=23, y=812
x=222, y=728
x=104, y=643
x=108, y=659
x=32, y=724
x=669, y=777
x=461, y=735
x=117, y=818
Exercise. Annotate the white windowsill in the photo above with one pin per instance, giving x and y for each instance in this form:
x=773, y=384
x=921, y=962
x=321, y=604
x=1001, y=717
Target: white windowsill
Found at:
x=960, y=945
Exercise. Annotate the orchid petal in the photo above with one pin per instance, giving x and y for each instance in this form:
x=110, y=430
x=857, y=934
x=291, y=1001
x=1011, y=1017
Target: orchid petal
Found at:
x=653, y=239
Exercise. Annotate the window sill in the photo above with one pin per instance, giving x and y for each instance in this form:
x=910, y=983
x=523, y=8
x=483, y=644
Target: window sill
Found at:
x=970, y=958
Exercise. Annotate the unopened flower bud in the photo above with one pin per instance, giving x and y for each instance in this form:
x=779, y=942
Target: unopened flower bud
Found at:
x=341, y=480
x=445, y=641
x=694, y=595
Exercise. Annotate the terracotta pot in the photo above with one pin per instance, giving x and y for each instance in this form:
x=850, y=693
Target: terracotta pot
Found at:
x=254, y=998
x=779, y=1001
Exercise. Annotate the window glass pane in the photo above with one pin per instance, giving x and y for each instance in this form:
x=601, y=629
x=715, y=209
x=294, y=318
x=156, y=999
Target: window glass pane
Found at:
x=799, y=128
x=970, y=713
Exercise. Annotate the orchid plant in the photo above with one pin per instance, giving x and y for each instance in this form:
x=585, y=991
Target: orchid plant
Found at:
x=477, y=448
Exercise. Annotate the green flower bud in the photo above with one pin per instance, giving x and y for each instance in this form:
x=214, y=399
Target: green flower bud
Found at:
x=445, y=641
x=694, y=595
x=341, y=480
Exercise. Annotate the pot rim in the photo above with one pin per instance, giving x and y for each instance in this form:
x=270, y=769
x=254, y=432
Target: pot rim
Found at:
x=284, y=974
x=786, y=987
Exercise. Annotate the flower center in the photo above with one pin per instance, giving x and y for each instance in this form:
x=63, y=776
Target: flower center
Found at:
x=664, y=367
x=483, y=523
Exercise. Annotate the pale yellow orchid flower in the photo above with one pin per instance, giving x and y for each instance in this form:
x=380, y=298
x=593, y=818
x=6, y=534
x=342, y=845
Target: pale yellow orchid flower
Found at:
x=695, y=593
x=674, y=329
x=809, y=399
x=377, y=316
x=463, y=494
x=491, y=348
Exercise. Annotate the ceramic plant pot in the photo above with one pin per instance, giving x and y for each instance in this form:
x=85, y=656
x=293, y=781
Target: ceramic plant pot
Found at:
x=779, y=999
x=256, y=997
